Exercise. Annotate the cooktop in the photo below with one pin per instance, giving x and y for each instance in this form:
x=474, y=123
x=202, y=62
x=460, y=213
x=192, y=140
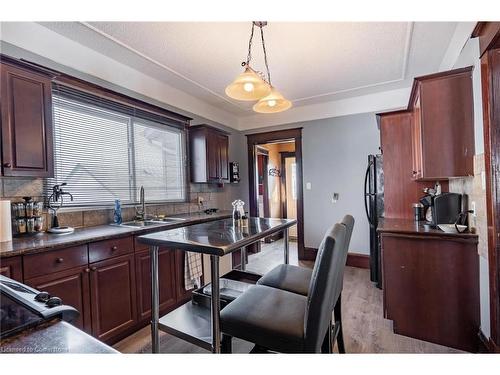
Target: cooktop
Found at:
x=22, y=307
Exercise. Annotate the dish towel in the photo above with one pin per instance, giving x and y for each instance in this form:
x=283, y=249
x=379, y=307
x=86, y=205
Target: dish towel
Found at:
x=193, y=270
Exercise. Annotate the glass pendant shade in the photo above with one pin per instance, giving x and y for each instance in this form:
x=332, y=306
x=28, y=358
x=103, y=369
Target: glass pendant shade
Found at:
x=272, y=103
x=248, y=86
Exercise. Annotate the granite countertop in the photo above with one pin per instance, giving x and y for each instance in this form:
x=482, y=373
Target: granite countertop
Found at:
x=219, y=237
x=410, y=227
x=46, y=241
x=54, y=337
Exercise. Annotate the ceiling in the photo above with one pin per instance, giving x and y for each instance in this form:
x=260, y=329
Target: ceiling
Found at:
x=310, y=63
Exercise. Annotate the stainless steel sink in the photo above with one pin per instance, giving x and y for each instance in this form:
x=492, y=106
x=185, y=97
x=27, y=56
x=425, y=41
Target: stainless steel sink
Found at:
x=150, y=223
x=168, y=220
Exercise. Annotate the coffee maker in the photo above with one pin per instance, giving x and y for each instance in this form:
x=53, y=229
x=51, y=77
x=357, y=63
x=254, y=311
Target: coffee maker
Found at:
x=445, y=208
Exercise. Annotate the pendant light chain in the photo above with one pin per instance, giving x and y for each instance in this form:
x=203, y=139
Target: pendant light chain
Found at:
x=265, y=55
x=249, y=56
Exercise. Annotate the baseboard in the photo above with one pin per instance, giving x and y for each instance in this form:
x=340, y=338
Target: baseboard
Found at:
x=486, y=344
x=358, y=260
x=353, y=259
x=309, y=253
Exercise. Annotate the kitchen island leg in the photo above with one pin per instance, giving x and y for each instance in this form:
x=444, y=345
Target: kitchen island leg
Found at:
x=155, y=300
x=287, y=246
x=243, y=255
x=215, y=304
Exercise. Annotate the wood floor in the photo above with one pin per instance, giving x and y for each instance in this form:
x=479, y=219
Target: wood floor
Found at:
x=365, y=329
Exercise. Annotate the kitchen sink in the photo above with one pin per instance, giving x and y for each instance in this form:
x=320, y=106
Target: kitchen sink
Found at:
x=150, y=223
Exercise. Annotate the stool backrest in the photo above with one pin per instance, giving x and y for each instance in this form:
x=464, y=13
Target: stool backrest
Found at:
x=348, y=221
x=325, y=280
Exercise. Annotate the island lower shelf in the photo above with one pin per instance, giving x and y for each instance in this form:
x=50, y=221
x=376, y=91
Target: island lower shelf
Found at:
x=192, y=320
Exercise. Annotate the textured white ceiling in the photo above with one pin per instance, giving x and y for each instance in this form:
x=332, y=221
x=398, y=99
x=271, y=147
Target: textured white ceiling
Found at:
x=310, y=62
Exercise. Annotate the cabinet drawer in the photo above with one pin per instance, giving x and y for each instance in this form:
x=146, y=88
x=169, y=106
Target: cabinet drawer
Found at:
x=54, y=261
x=110, y=248
x=139, y=246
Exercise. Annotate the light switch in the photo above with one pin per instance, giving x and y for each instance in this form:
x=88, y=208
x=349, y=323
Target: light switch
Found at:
x=308, y=186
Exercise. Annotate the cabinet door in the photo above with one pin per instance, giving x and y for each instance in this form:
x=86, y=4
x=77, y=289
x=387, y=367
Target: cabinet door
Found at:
x=26, y=106
x=223, y=150
x=12, y=267
x=112, y=290
x=182, y=293
x=72, y=286
x=166, y=274
x=212, y=156
x=447, y=127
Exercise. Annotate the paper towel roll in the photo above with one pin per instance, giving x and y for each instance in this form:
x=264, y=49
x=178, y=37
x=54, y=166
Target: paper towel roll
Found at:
x=5, y=222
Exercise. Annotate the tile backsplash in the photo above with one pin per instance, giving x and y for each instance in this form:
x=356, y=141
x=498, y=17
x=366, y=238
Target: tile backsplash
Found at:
x=213, y=196
x=473, y=187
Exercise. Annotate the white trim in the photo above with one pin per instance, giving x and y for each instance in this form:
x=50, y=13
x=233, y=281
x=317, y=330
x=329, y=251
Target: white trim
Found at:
x=51, y=45
x=381, y=101
x=460, y=37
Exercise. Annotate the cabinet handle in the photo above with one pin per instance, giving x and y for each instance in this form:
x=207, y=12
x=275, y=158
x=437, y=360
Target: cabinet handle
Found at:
x=7, y=165
x=59, y=260
x=93, y=268
x=87, y=270
x=114, y=248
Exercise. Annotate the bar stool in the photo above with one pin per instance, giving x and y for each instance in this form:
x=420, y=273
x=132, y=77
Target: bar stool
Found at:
x=282, y=321
x=296, y=280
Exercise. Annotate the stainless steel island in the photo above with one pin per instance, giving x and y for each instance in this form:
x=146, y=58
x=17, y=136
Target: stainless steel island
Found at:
x=217, y=238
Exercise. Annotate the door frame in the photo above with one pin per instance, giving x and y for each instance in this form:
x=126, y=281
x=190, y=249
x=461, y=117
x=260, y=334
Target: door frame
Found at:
x=255, y=139
x=489, y=44
x=284, y=155
x=265, y=189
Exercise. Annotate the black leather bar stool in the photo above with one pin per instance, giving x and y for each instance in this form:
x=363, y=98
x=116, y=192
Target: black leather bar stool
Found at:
x=296, y=280
x=287, y=322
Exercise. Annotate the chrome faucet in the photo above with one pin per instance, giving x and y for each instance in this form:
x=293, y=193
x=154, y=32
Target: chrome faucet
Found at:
x=140, y=214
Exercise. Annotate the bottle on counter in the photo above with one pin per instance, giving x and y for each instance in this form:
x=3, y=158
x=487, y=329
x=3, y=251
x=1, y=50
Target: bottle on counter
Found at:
x=118, y=212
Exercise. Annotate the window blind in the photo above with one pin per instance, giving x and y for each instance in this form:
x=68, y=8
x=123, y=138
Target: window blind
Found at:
x=103, y=153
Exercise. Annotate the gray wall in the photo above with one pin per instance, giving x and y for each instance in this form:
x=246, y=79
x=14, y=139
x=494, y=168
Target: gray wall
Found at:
x=334, y=156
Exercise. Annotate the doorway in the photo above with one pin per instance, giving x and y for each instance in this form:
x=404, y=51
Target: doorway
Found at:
x=281, y=181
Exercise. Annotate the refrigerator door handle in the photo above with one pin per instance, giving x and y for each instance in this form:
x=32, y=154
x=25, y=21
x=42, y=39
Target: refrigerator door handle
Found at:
x=367, y=194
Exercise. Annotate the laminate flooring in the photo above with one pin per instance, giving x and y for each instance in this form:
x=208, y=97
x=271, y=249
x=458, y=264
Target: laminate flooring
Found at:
x=365, y=329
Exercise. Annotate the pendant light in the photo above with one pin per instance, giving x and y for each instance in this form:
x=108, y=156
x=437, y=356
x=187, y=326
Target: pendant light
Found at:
x=252, y=85
x=272, y=103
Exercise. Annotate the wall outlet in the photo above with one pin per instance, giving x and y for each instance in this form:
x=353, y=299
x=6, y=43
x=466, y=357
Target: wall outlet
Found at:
x=308, y=186
x=335, y=197
x=200, y=201
x=473, y=208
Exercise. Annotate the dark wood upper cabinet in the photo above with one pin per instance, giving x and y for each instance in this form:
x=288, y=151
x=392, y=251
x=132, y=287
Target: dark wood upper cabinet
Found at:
x=113, y=296
x=209, y=154
x=443, y=125
x=400, y=187
x=26, y=112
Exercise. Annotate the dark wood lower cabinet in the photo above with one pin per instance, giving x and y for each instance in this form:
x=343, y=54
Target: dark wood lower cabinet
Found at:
x=182, y=294
x=113, y=296
x=72, y=286
x=431, y=289
x=166, y=274
x=12, y=267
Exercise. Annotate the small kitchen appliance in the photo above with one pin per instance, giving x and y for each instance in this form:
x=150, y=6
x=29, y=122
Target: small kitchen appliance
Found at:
x=446, y=208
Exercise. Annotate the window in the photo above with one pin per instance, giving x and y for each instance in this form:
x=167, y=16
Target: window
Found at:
x=105, y=154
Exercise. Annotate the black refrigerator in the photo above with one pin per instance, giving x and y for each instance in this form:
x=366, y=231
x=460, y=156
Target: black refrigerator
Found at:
x=374, y=206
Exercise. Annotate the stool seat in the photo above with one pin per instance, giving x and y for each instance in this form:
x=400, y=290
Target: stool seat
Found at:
x=287, y=277
x=268, y=317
